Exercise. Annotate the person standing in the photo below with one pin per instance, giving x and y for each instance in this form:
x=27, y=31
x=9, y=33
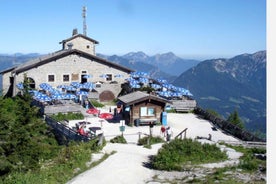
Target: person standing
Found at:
x=151, y=125
x=168, y=133
x=163, y=131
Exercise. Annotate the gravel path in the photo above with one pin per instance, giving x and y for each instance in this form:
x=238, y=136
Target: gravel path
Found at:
x=127, y=165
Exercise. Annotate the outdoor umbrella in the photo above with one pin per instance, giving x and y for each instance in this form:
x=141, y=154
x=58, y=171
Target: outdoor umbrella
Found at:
x=93, y=111
x=75, y=84
x=87, y=85
x=70, y=88
x=87, y=76
x=69, y=96
x=188, y=93
x=103, y=76
x=106, y=116
x=33, y=92
x=144, y=80
x=133, y=85
x=156, y=86
x=44, y=98
x=118, y=76
x=20, y=86
x=45, y=86
x=61, y=86
x=81, y=93
x=57, y=96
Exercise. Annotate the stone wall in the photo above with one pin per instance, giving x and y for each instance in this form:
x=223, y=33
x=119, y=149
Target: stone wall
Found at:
x=228, y=127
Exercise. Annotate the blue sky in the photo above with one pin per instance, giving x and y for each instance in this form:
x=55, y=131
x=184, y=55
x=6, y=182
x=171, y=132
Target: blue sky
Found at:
x=189, y=28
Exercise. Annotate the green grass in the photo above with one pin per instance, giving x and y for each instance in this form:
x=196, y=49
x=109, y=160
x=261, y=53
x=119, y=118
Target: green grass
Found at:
x=96, y=103
x=248, y=163
x=70, y=162
x=69, y=116
x=150, y=140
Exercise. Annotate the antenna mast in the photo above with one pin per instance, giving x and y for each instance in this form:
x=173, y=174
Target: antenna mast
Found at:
x=84, y=20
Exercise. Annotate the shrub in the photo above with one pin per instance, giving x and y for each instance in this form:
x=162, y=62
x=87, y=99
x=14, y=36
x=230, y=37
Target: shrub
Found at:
x=150, y=140
x=177, y=153
x=119, y=139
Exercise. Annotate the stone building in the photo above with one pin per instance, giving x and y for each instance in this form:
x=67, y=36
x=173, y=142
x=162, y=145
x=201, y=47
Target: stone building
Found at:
x=75, y=62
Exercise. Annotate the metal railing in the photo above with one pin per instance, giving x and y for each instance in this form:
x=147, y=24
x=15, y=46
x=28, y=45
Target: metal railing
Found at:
x=66, y=131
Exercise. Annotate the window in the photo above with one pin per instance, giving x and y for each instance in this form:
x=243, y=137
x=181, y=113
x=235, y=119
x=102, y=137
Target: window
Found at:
x=75, y=77
x=87, y=46
x=108, y=77
x=147, y=111
x=66, y=78
x=98, y=85
x=51, y=78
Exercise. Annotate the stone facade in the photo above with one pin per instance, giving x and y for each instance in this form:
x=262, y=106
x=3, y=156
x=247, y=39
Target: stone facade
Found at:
x=80, y=42
x=69, y=65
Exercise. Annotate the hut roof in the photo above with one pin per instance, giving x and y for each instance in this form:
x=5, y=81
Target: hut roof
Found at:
x=139, y=96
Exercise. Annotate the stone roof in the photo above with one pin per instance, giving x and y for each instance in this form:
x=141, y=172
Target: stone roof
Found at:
x=139, y=96
x=59, y=54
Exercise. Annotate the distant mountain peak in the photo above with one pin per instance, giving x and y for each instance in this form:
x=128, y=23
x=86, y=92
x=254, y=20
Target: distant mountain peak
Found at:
x=259, y=56
x=141, y=55
x=168, y=55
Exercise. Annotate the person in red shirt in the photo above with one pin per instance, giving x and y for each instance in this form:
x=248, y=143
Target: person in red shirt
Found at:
x=81, y=131
x=162, y=130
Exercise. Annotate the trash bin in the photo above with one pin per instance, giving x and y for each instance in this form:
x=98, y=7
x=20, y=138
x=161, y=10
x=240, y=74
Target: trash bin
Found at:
x=137, y=122
x=164, y=118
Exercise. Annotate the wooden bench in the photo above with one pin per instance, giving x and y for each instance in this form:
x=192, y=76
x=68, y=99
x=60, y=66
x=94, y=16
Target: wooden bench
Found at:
x=145, y=121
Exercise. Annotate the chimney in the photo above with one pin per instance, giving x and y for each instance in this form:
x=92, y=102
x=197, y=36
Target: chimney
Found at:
x=75, y=32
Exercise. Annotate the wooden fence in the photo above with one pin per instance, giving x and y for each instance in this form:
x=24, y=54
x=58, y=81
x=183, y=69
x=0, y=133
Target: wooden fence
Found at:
x=68, y=132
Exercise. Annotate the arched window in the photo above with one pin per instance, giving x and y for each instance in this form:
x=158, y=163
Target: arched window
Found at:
x=31, y=82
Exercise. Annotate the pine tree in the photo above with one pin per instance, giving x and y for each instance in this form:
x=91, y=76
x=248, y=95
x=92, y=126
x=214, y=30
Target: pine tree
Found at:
x=235, y=119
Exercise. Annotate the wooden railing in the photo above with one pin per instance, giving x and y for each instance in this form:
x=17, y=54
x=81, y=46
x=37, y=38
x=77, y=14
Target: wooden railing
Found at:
x=180, y=135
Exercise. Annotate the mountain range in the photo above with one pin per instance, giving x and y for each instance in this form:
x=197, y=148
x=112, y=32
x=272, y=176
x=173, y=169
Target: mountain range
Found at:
x=223, y=85
x=167, y=66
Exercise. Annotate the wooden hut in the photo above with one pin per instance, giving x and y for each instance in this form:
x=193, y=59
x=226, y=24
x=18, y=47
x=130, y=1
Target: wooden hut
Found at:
x=141, y=108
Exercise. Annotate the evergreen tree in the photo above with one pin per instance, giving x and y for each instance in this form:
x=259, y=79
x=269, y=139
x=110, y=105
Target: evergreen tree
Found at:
x=24, y=136
x=235, y=119
x=213, y=112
